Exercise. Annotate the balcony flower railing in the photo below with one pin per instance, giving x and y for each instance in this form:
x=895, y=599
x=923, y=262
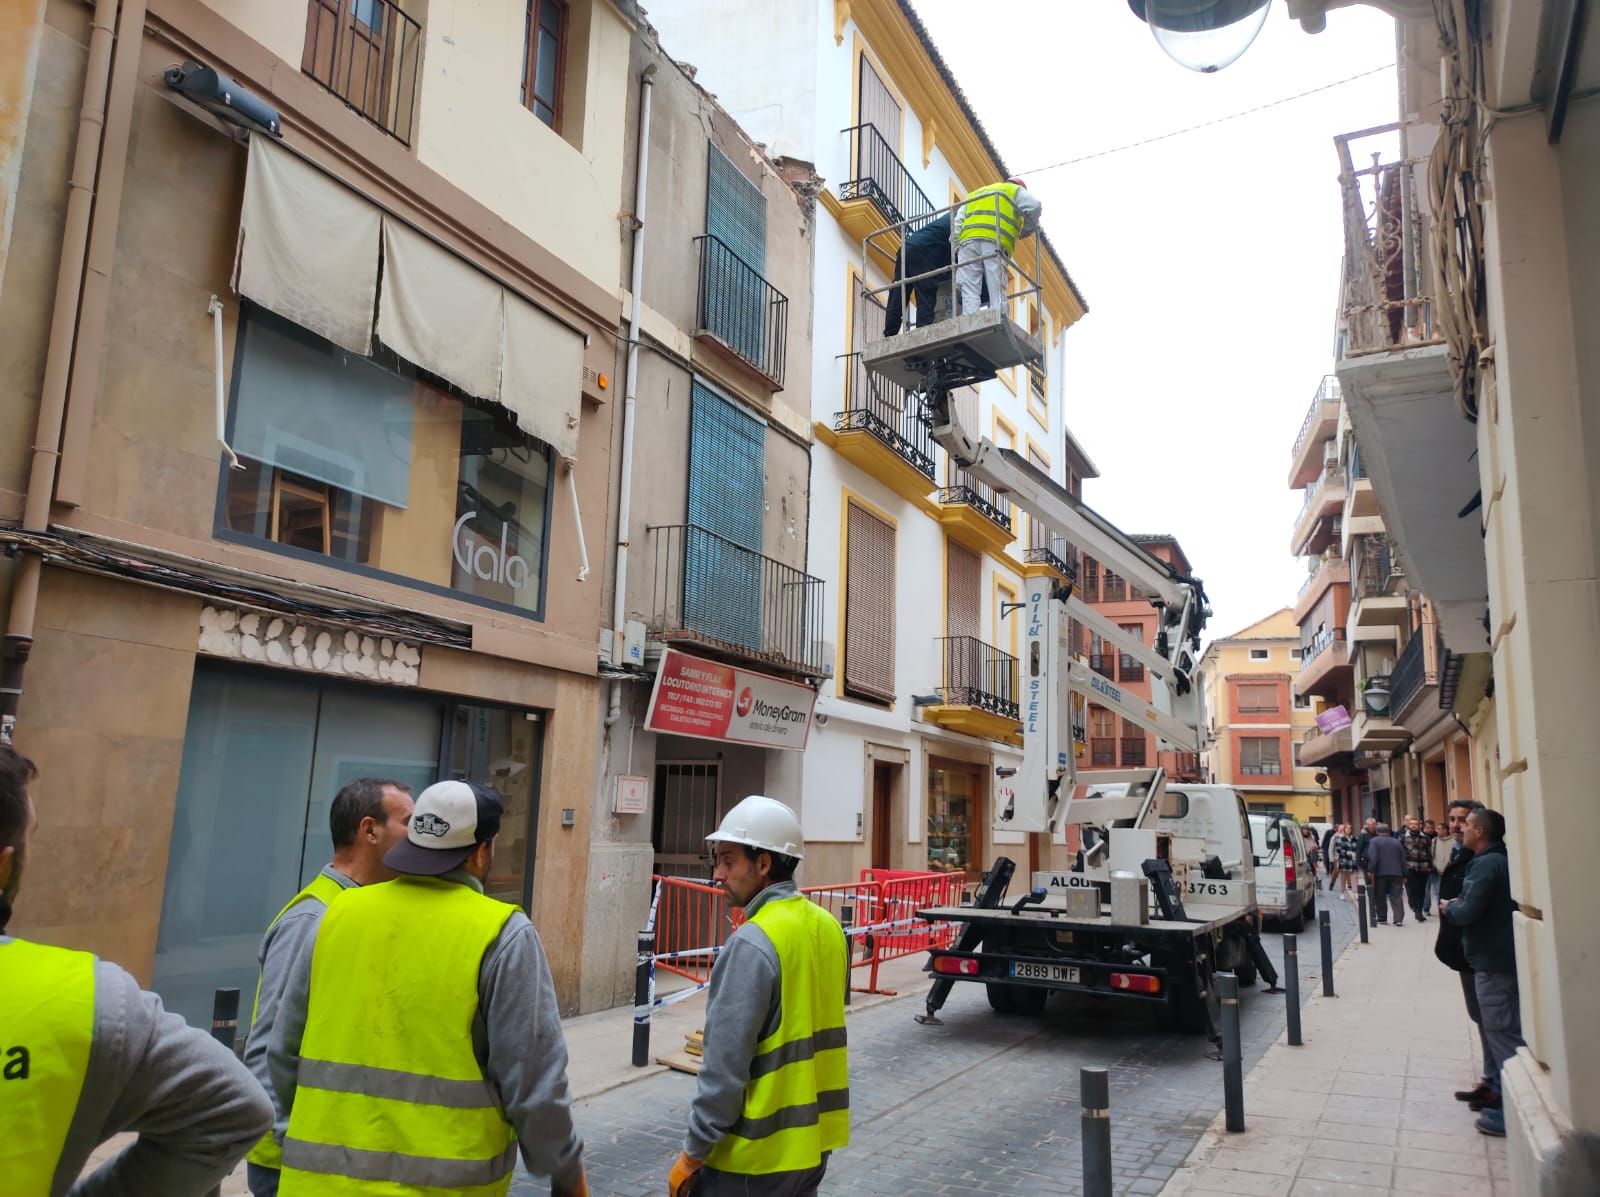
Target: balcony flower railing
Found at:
x=1047, y=548
x=708, y=590
x=978, y=675
x=369, y=55
x=981, y=497
x=877, y=174
x=1327, y=392
x=889, y=412
x=741, y=310
x=1388, y=275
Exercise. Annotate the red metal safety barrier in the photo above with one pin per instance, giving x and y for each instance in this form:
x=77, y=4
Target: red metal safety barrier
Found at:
x=691, y=916
x=904, y=893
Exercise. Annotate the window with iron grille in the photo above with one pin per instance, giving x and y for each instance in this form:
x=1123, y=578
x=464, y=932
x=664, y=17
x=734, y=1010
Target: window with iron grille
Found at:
x=1259, y=756
x=1131, y=669
x=544, y=59
x=869, y=605
x=366, y=52
x=1258, y=699
x=1134, y=754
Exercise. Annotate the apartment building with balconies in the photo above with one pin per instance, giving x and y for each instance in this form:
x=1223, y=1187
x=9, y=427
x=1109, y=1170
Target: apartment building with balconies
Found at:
x=1257, y=721
x=309, y=445
x=921, y=562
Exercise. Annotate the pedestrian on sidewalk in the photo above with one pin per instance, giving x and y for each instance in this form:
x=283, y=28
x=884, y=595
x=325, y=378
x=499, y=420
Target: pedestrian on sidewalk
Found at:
x=367, y=818
x=1386, y=860
x=89, y=1055
x=1346, y=862
x=773, y=1096
x=1448, y=946
x=1419, y=866
x=1444, y=846
x=419, y=1043
x=1483, y=912
x=1369, y=831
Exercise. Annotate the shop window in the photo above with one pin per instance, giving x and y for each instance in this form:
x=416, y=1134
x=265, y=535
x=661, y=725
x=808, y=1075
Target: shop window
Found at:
x=953, y=809
x=364, y=461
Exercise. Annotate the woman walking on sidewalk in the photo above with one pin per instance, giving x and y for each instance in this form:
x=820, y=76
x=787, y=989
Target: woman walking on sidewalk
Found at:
x=1344, y=866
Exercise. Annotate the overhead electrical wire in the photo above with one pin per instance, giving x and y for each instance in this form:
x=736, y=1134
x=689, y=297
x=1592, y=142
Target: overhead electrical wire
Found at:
x=1232, y=116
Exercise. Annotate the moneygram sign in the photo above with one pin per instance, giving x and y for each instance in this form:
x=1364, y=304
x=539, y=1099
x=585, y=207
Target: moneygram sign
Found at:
x=712, y=701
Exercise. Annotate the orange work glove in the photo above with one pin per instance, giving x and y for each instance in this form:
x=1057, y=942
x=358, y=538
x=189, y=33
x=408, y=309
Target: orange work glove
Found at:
x=579, y=1188
x=680, y=1181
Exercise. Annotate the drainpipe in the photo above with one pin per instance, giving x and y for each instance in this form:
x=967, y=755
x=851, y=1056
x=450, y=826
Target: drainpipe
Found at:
x=630, y=394
x=18, y=640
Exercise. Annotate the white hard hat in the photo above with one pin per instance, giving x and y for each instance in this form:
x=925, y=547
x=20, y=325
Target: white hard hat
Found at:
x=763, y=823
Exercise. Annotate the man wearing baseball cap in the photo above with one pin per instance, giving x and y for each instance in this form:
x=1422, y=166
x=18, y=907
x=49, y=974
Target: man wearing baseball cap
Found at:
x=773, y=1095
x=422, y=1044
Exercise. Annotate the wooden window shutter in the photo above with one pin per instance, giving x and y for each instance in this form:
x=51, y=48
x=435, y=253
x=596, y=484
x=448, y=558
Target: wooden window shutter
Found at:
x=869, y=631
x=964, y=590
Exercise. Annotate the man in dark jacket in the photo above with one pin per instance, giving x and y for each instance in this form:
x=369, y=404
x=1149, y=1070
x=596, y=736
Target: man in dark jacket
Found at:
x=1448, y=946
x=1386, y=861
x=1483, y=912
x=1418, y=846
x=927, y=249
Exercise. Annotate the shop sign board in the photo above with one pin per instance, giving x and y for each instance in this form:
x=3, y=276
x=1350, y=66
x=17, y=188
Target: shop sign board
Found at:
x=709, y=700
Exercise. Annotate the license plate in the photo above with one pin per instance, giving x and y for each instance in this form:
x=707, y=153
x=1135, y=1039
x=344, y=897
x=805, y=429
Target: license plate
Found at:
x=1064, y=974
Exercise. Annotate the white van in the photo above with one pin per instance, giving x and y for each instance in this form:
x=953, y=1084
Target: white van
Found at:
x=1286, y=889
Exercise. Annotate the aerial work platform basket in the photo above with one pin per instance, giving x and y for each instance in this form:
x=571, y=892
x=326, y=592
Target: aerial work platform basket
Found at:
x=949, y=347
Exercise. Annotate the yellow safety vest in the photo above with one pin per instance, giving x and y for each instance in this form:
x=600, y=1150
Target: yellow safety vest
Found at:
x=267, y=1153
x=391, y=1099
x=990, y=214
x=46, y=1027
x=797, y=1104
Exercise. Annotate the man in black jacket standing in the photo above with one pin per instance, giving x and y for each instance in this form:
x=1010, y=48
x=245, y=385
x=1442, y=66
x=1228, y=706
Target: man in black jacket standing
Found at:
x=1483, y=912
x=1448, y=946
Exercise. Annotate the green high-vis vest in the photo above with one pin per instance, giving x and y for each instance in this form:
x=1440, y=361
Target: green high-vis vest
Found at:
x=990, y=214
x=391, y=1099
x=46, y=1027
x=267, y=1153
x=797, y=1104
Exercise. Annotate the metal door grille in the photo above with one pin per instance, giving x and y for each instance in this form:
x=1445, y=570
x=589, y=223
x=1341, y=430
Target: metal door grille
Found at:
x=688, y=806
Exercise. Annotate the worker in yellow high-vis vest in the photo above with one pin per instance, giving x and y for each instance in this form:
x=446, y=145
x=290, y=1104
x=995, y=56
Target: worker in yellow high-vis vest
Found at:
x=85, y=1054
x=773, y=1095
x=368, y=816
x=988, y=225
x=419, y=1043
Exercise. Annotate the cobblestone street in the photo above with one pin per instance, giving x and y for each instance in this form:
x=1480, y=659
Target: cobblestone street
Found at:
x=983, y=1104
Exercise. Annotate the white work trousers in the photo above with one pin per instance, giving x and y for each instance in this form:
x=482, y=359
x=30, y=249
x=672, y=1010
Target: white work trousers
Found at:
x=980, y=262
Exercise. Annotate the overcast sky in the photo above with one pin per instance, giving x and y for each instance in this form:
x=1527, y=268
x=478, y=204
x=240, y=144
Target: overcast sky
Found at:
x=1210, y=261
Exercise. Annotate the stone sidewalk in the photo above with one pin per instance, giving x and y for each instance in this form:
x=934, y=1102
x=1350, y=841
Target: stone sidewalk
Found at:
x=1365, y=1106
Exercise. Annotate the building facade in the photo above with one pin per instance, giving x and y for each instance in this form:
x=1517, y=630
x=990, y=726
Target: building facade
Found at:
x=331, y=399
x=919, y=561
x=1256, y=719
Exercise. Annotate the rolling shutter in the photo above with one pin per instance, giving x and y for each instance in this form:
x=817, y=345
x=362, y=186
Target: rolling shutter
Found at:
x=727, y=486
x=964, y=585
x=734, y=301
x=869, y=589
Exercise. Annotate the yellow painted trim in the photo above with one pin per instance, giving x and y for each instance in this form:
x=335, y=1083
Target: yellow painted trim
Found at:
x=1035, y=449
x=930, y=138
x=841, y=16
x=846, y=497
x=852, y=296
x=973, y=722
x=998, y=421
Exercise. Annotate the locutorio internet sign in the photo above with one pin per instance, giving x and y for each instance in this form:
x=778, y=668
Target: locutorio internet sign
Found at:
x=713, y=701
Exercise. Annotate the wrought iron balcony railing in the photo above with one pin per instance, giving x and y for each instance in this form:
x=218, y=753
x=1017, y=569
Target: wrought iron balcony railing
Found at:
x=1115, y=589
x=1103, y=753
x=1411, y=672
x=1129, y=670
x=978, y=675
x=964, y=488
x=710, y=591
x=1388, y=289
x=741, y=310
x=1262, y=769
x=368, y=54
x=1133, y=751
x=888, y=412
x=1377, y=569
x=1047, y=548
x=1327, y=392
x=1105, y=664
x=877, y=174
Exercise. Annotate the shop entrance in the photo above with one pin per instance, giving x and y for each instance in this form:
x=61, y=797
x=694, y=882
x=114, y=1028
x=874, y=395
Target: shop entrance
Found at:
x=956, y=792
x=264, y=754
x=687, y=808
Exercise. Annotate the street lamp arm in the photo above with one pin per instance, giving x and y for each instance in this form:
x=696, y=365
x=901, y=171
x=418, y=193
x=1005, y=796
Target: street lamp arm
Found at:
x=1313, y=14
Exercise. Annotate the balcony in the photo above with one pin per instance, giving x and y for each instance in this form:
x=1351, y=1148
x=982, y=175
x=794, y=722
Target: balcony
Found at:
x=711, y=594
x=882, y=433
x=1319, y=427
x=1323, y=664
x=741, y=315
x=1377, y=733
x=1049, y=553
x=1262, y=769
x=1114, y=590
x=1130, y=670
x=1133, y=752
x=369, y=56
x=1314, y=527
x=879, y=193
x=1185, y=766
x=974, y=514
x=978, y=694
x=1379, y=589
x=1103, y=752
x=1322, y=748
x=1333, y=570
x=1105, y=664
x=1398, y=383
x=1414, y=680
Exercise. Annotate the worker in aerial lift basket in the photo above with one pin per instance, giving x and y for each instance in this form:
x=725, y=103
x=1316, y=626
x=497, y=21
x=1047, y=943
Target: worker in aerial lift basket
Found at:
x=773, y=1097
x=927, y=251
x=988, y=226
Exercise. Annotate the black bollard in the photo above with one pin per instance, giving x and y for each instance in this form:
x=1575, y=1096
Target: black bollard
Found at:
x=1326, y=928
x=644, y=997
x=847, y=919
x=1232, y=1064
x=225, y=1017
x=1291, y=986
x=1094, y=1097
x=1361, y=910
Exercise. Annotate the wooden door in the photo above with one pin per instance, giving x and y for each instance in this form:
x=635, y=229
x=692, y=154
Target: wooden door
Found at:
x=882, y=819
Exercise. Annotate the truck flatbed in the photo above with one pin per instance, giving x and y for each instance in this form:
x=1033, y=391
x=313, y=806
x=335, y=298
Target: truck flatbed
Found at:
x=1054, y=917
